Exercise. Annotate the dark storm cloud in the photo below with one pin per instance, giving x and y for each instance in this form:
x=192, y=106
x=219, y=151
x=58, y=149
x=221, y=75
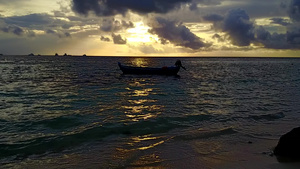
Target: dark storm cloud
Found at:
x=107, y=25
x=63, y=35
x=13, y=29
x=280, y=21
x=289, y=40
x=50, y=31
x=218, y=37
x=283, y=5
x=254, y=8
x=67, y=35
x=273, y=41
x=18, y=31
x=38, y=22
x=114, y=7
x=293, y=38
x=28, y=24
x=118, y=39
x=105, y=39
x=262, y=34
x=127, y=25
x=59, y=34
x=112, y=25
x=209, y=2
x=193, y=6
x=213, y=18
x=238, y=26
x=242, y=32
x=177, y=34
x=294, y=10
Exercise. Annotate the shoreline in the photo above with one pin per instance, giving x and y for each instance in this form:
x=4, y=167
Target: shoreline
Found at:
x=221, y=153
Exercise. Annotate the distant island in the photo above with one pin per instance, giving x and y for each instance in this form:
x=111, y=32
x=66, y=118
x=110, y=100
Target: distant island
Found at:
x=67, y=54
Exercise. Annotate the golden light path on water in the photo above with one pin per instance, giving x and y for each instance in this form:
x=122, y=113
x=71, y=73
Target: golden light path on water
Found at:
x=141, y=106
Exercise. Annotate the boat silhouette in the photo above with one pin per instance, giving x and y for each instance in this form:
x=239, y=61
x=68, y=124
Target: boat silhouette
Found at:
x=171, y=70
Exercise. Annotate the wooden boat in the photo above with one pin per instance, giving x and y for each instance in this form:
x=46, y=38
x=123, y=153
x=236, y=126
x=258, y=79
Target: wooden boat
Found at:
x=172, y=70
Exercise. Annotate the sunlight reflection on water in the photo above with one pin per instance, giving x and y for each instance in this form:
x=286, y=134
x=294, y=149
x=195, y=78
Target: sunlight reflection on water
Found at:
x=140, y=106
x=140, y=62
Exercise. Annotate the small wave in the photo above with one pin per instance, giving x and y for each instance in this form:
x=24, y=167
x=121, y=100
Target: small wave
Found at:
x=61, y=122
x=85, y=133
x=268, y=117
x=206, y=134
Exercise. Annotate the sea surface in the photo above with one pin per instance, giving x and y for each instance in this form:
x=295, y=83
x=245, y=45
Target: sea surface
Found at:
x=82, y=112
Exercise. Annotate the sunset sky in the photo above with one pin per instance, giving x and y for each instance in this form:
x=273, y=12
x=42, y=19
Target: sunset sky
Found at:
x=151, y=27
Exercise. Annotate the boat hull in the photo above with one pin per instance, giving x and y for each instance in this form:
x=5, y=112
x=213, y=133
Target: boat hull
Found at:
x=149, y=71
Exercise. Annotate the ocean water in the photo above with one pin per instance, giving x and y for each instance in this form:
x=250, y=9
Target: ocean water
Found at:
x=82, y=112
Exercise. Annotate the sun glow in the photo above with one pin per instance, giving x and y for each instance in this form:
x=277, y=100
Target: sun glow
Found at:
x=139, y=28
x=140, y=34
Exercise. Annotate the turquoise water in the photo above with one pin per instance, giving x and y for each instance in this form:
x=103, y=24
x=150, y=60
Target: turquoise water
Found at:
x=78, y=112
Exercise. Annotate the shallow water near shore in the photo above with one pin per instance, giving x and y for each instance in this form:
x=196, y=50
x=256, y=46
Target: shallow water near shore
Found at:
x=82, y=112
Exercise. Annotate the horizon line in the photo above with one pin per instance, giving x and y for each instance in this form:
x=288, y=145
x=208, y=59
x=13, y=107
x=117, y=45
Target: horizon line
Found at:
x=154, y=56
